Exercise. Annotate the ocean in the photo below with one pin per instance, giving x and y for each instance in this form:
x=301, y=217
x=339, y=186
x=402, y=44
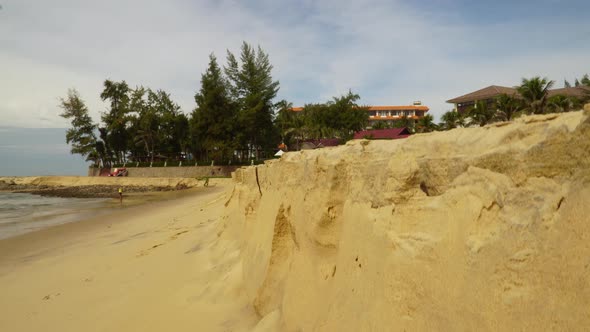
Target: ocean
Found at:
x=22, y=213
x=38, y=151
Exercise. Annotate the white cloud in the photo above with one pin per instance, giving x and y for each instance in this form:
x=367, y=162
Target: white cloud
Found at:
x=387, y=51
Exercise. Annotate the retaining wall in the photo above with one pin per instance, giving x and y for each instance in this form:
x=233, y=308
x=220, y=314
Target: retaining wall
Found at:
x=170, y=172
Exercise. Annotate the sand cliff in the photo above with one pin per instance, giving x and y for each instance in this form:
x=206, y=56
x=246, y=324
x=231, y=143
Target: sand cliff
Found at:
x=471, y=229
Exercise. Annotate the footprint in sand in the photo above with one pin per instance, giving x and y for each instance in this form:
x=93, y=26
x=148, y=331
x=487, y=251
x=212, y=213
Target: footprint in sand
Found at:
x=146, y=251
x=175, y=236
x=172, y=238
x=48, y=296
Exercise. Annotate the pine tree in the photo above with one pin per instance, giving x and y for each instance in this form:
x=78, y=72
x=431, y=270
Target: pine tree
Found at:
x=81, y=136
x=253, y=89
x=166, y=113
x=213, y=121
x=115, y=119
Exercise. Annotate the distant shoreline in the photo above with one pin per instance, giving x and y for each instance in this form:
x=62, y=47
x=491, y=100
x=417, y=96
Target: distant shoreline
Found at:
x=91, y=191
x=92, y=187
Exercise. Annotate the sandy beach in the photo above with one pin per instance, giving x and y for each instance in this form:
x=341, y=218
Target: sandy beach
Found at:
x=154, y=267
x=473, y=229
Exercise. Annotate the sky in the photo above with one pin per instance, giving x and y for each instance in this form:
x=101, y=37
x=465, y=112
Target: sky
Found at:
x=37, y=151
x=389, y=52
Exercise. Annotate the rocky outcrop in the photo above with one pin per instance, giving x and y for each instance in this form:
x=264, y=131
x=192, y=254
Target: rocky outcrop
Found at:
x=472, y=229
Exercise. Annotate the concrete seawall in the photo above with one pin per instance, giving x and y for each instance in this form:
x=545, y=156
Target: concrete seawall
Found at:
x=175, y=172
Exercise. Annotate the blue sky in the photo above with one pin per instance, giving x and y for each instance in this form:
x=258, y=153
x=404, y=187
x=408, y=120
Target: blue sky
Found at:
x=390, y=52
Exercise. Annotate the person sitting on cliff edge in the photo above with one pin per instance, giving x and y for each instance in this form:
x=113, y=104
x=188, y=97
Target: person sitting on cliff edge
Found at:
x=283, y=147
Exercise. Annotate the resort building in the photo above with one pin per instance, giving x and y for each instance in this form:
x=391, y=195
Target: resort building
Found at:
x=489, y=94
x=389, y=114
x=579, y=92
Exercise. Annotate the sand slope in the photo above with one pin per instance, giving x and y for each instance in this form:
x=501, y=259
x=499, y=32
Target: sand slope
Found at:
x=476, y=229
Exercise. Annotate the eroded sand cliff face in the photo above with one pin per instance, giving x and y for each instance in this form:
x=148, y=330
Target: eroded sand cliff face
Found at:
x=467, y=230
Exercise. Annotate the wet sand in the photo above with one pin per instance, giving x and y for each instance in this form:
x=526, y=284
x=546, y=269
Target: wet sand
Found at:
x=152, y=266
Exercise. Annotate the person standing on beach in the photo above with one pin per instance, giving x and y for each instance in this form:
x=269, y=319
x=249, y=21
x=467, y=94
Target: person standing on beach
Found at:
x=121, y=195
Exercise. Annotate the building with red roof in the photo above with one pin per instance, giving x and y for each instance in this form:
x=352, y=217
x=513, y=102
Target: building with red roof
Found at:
x=392, y=133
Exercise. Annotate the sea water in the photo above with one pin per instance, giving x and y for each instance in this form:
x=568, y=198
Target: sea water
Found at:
x=22, y=213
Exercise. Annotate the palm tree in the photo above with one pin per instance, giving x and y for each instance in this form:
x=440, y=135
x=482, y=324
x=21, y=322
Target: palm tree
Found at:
x=292, y=125
x=404, y=122
x=534, y=92
x=481, y=114
x=379, y=125
x=560, y=104
x=284, y=119
x=507, y=107
x=452, y=119
x=585, y=82
x=426, y=124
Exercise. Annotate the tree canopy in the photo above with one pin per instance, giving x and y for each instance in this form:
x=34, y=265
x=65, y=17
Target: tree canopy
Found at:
x=532, y=98
x=339, y=118
x=253, y=89
x=81, y=136
x=237, y=119
x=234, y=111
x=213, y=122
x=534, y=92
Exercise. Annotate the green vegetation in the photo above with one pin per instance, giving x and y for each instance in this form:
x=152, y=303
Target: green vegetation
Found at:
x=507, y=106
x=253, y=89
x=213, y=121
x=338, y=118
x=81, y=136
x=406, y=122
x=452, y=120
x=234, y=123
x=426, y=124
x=532, y=98
x=534, y=93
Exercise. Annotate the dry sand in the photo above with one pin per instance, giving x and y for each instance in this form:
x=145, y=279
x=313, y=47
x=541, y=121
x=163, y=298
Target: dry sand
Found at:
x=475, y=229
x=159, y=267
